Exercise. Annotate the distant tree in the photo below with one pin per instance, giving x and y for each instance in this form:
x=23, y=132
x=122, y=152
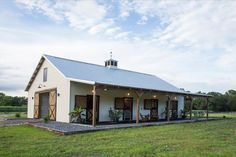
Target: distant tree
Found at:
x=219, y=102
x=231, y=100
x=199, y=104
x=223, y=102
x=12, y=101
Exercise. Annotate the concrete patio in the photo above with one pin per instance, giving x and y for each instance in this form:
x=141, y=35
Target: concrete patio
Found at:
x=72, y=128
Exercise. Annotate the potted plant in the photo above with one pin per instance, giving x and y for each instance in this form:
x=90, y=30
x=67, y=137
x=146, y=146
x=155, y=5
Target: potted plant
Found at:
x=183, y=114
x=76, y=115
x=164, y=113
x=115, y=115
x=46, y=119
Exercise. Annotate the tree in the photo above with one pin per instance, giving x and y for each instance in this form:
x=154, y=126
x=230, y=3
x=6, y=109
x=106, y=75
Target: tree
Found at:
x=6, y=100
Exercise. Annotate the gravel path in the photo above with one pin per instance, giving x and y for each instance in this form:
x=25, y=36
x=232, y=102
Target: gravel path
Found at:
x=18, y=121
x=71, y=128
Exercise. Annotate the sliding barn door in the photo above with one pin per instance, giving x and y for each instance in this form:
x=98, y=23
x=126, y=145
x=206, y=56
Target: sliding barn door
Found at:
x=52, y=104
x=36, y=105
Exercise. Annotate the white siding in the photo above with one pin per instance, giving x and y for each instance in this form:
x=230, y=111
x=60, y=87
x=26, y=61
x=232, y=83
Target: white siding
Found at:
x=54, y=80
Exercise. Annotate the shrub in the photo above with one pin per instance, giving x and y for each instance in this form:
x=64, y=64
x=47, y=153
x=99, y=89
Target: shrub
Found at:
x=17, y=115
x=46, y=119
x=13, y=109
x=76, y=115
x=199, y=113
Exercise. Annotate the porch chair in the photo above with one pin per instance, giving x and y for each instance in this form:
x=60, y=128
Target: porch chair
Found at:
x=144, y=118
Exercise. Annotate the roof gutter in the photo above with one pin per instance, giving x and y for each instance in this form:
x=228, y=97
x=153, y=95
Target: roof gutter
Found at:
x=81, y=81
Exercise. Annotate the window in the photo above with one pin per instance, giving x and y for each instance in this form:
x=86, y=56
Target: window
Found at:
x=174, y=105
x=150, y=104
x=111, y=62
x=115, y=63
x=45, y=74
x=81, y=101
x=119, y=103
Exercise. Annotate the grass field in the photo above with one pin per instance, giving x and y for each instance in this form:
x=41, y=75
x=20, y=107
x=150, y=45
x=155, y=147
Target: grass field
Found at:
x=222, y=114
x=4, y=115
x=212, y=138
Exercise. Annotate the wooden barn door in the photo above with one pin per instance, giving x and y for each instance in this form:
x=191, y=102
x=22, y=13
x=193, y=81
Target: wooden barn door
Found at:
x=52, y=104
x=36, y=105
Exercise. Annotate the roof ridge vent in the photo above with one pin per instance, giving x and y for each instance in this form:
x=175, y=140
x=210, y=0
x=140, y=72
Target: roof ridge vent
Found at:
x=111, y=63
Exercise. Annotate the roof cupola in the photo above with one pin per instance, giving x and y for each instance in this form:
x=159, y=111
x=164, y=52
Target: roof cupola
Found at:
x=111, y=63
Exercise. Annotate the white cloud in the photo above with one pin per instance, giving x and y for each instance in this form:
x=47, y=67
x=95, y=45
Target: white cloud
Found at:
x=79, y=14
x=143, y=20
x=112, y=31
x=85, y=14
x=46, y=7
x=227, y=61
x=125, y=8
x=122, y=35
x=101, y=27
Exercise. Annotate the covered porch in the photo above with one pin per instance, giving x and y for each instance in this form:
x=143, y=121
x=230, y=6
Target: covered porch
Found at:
x=137, y=106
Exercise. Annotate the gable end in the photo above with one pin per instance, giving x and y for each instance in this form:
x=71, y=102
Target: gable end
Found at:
x=35, y=73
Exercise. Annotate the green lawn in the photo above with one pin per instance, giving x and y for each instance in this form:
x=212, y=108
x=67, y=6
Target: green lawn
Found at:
x=222, y=114
x=4, y=115
x=212, y=138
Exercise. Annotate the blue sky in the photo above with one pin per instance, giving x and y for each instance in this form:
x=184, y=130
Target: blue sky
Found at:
x=191, y=44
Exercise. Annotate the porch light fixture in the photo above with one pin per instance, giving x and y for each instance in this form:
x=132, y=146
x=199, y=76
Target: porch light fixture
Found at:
x=40, y=86
x=128, y=94
x=175, y=98
x=105, y=89
x=32, y=98
x=58, y=94
x=154, y=96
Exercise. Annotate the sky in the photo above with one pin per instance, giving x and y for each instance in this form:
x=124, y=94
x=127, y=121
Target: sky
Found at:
x=190, y=44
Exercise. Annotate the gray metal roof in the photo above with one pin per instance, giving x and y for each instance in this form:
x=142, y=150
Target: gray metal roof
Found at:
x=97, y=74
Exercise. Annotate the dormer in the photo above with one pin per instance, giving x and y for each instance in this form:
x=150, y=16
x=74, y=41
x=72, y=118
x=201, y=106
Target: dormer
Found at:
x=111, y=63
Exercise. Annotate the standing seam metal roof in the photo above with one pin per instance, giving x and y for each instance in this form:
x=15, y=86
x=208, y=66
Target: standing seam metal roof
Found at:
x=98, y=74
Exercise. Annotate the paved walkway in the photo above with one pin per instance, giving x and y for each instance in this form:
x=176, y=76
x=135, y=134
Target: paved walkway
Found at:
x=71, y=128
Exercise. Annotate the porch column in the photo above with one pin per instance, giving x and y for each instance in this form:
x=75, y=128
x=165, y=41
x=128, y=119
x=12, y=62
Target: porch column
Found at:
x=139, y=95
x=207, y=103
x=191, y=106
x=168, y=108
x=94, y=106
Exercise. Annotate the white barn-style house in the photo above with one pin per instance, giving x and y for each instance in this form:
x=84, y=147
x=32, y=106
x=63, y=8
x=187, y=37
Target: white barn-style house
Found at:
x=59, y=85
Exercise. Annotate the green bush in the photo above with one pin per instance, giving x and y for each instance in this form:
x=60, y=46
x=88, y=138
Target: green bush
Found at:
x=13, y=109
x=17, y=115
x=199, y=113
x=46, y=119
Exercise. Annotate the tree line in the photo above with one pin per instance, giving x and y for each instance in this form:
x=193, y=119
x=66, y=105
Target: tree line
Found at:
x=6, y=100
x=218, y=103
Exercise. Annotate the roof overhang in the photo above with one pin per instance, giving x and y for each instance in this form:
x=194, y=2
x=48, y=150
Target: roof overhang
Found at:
x=35, y=73
x=184, y=93
x=82, y=81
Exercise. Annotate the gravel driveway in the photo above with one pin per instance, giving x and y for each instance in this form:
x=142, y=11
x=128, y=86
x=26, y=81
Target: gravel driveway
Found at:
x=18, y=121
